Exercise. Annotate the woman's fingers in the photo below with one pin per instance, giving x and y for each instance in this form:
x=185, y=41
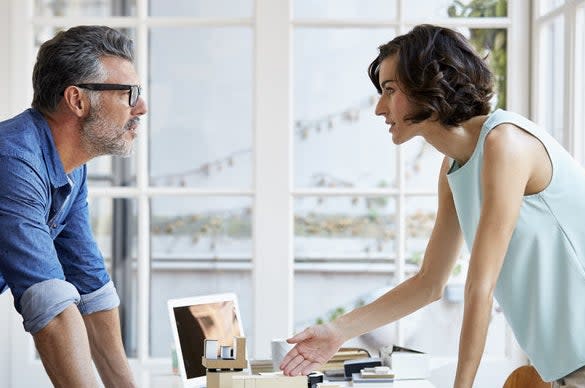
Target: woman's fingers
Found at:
x=300, y=368
x=292, y=365
x=288, y=358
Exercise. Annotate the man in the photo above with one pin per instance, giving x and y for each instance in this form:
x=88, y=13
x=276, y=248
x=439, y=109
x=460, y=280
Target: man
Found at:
x=86, y=103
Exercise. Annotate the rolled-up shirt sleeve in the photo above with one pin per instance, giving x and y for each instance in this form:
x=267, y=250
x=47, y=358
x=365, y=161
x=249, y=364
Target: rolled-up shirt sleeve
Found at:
x=43, y=301
x=105, y=298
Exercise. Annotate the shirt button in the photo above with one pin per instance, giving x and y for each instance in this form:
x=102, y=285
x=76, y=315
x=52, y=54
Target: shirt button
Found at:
x=54, y=226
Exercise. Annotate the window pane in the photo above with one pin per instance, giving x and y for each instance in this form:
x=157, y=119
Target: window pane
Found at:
x=492, y=44
x=552, y=74
x=322, y=296
x=420, y=218
x=346, y=231
x=421, y=212
x=199, y=246
x=344, y=251
x=425, y=9
x=345, y=9
x=339, y=142
x=201, y=109
x=549, y=5
x=202, y=8
x=112, y=170
x=441, y=338
x=92, y=8
x=197, y=230
x=114, y=225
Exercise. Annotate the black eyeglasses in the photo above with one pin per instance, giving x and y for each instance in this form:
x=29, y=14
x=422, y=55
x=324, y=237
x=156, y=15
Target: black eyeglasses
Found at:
x=135, y=90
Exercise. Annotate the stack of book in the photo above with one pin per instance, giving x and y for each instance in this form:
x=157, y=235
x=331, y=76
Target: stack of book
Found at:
x=378, y=377
x=334, y=370
x=261, y=366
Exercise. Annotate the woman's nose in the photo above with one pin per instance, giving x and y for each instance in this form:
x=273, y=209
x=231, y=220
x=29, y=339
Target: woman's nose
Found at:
x=380, y=108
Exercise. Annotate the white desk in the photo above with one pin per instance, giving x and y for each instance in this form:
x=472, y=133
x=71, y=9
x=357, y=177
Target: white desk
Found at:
x=158, y=379
x=413, y=384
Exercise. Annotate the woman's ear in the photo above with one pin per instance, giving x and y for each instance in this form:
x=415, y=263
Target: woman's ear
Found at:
x=76, y=101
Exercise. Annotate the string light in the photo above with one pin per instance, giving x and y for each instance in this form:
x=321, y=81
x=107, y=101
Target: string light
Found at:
x=351, y=115
x=303, y=129
x=212, y=224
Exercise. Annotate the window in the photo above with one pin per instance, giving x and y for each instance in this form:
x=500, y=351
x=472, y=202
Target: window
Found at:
x=175, y=218
x=364, y=208
x=557, y=77
x=261, y=168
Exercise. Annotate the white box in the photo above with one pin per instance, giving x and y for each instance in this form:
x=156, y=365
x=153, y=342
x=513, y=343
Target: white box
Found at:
x=269, y=381
x=410, y=364
x=211, y=349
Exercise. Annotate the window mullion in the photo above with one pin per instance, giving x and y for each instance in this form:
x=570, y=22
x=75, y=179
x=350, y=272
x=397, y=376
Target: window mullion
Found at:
x=569, y=97
x=143, y=258
x=273, y=264
x=518, y=58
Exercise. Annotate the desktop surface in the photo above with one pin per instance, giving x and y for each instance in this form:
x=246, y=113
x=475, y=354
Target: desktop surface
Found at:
x=154, y=379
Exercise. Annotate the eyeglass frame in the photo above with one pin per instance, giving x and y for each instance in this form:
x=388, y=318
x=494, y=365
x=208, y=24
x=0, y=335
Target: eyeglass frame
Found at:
x=135, y=90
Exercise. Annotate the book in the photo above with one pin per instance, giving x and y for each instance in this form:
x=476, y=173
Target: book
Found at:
x=334, y=370
x=377, y=373
x=371, y=382
x=261, y=366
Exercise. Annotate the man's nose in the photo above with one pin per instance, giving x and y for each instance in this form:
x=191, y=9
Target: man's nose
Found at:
x=140, y=108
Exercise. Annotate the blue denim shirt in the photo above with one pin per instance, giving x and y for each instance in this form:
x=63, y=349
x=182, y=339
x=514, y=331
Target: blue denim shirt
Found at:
x=48, y=256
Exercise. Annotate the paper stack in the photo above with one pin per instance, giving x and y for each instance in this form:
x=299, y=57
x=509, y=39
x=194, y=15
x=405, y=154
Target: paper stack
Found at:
x=378, y=377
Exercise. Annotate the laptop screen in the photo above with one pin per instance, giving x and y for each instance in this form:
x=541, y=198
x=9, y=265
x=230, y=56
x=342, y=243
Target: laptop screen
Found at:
x=196, y=319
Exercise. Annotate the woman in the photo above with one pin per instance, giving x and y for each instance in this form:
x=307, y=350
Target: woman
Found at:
x=506, y=187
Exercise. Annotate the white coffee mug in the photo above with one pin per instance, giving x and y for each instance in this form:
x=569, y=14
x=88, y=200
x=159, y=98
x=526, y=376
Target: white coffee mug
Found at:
x=279, y=348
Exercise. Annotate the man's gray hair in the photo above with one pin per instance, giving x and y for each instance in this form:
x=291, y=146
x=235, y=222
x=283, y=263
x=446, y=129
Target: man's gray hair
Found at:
x=72, y=57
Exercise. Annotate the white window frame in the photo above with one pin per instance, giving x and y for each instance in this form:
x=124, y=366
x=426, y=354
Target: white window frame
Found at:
x=517, y=87
x=573, y=137
x=273, y=190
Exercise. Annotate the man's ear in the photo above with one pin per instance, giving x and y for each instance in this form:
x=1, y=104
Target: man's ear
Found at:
x=76, y=101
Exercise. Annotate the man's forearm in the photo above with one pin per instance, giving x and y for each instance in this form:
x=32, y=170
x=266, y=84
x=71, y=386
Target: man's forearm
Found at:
x=107, y=350
x=64, y=350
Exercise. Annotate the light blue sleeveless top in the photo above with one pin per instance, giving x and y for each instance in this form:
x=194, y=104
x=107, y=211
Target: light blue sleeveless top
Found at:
x=541, y=287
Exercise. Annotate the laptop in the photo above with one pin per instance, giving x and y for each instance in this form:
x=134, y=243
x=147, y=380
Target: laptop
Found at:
x=195, y=319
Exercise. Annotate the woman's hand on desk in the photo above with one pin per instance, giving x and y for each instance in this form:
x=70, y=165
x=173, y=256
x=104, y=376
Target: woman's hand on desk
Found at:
x=314, y=347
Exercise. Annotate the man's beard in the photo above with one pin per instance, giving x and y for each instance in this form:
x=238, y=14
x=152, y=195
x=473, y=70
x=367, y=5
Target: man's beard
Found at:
x=100, y=137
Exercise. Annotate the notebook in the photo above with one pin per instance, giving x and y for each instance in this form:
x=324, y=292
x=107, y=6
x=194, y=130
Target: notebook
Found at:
x=195, y=319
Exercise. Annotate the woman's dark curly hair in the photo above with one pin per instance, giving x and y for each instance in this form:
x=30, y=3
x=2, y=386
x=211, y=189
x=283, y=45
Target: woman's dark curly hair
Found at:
x=440, y=73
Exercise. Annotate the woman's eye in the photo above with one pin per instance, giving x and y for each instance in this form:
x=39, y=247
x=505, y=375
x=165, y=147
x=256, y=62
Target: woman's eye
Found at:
x=389, y=91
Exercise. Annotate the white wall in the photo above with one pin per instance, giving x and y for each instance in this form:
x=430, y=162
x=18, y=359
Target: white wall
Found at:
x=5, y=330
x=5, y=63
